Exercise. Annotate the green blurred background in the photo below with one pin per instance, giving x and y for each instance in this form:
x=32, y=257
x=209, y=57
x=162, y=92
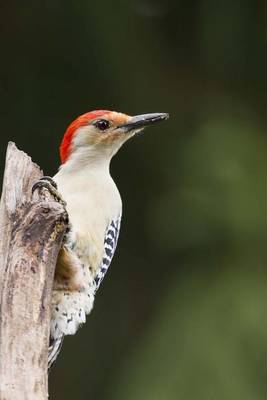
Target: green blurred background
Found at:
x=182, y=312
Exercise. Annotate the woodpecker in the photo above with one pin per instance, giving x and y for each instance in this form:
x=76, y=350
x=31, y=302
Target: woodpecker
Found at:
x=93, y=203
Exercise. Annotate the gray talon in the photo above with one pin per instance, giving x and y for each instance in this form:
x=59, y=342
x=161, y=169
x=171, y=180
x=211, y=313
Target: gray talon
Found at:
x=49, y=184
x=50, y=180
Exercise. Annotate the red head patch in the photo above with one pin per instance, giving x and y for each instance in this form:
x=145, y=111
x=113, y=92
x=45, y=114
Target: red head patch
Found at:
x=82, y=120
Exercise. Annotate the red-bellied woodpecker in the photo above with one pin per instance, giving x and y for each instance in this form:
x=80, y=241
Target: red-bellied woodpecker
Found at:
x=94, y=207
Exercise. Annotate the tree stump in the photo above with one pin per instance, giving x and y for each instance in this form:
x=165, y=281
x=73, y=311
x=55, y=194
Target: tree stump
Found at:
x=31, y=233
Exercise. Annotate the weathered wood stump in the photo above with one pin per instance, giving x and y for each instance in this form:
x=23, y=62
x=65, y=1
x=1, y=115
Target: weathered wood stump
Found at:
x=31, y=233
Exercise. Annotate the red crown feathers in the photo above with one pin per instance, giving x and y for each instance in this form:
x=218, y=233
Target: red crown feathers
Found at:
x=82, y=120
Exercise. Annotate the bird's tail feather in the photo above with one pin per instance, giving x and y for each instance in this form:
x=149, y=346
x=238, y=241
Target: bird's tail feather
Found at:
x=54, y=349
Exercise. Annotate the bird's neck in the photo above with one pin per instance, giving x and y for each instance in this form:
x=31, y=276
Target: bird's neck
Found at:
x=90, y=162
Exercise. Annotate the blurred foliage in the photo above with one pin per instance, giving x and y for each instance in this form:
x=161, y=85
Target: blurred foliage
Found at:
x=203, y=343
x=181, y=314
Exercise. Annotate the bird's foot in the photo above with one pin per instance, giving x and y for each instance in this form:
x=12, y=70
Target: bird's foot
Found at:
x=46, y=182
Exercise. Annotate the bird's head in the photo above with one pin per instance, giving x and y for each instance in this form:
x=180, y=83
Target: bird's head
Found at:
x=99, y=134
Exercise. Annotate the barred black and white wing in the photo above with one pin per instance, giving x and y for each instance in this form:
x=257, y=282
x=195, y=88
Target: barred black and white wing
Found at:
x=110, y=244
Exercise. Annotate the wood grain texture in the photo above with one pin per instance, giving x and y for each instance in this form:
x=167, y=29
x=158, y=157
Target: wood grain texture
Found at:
x=31, y=233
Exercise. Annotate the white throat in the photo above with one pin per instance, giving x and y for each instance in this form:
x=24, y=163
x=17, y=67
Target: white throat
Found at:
x=87, y=159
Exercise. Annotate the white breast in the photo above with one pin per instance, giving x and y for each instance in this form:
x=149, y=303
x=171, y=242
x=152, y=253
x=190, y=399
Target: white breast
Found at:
x=93, y=200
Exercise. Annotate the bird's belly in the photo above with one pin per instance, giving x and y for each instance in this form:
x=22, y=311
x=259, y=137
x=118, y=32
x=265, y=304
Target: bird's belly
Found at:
x=88, y=230
x=88, y=247
x=91, y=205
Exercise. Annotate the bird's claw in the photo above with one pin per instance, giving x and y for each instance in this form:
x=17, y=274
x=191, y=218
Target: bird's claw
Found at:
x=46, y=182
x=50, y=180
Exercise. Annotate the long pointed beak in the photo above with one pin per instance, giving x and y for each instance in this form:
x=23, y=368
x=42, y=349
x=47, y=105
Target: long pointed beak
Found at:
x=140, y=121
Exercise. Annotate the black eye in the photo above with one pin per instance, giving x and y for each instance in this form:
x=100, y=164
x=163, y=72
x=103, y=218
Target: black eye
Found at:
x=102, y=124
